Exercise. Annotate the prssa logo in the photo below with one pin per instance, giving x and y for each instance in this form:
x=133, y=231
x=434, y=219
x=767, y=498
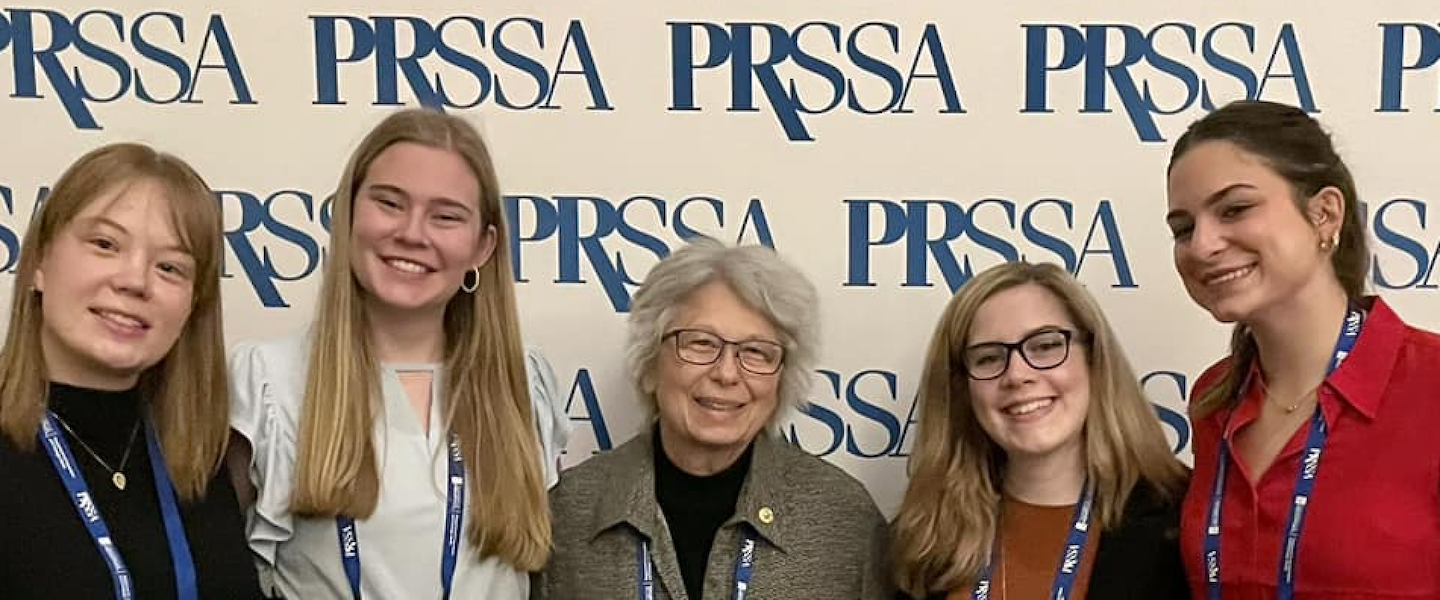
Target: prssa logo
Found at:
x=102, y=56
x=814, y=68
x=13, y=226
x=274, y=237
x=593, y=233
x=280, y=236
x=1312, y=463
x=87, y=506
x=1164, y=70
x=952, y=236
x=858, y=413
x=1407, y=246
x=588, y=412
x=1399, y=40
x=349, y=546
x=459, y=62
x=1170, y=388
x=863, y=414
x=1072, y=559
x=864, y=422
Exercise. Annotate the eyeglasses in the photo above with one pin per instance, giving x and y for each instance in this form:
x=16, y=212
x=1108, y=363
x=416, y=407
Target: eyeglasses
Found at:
x=1044, y=349
x=761, y=357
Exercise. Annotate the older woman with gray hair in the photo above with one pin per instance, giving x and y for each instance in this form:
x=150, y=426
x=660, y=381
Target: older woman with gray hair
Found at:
x=710, y=502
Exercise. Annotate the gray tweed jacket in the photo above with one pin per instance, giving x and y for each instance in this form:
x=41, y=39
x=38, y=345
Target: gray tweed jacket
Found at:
x=820, y=536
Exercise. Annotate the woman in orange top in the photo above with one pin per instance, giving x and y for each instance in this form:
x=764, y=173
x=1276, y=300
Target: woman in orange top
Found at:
x=1041, y=471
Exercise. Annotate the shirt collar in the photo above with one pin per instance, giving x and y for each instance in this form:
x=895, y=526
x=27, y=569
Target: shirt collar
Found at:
x=764, y=504
x=1361, y=380
x=629, y=497
x=629, y=493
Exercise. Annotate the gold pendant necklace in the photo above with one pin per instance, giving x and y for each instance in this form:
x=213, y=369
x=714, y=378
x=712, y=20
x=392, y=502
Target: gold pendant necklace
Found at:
x=1291, y=408
x=117, y=475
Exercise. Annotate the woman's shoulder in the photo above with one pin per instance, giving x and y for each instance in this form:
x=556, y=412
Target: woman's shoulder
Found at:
x=1150, y=507
x=1423, y=341
x=1210, y=377
x=543, y=387
x=603, y=470
x=254, y=363
x=807, y=476
x=1141, y=557
x=594, y=487
x=547, y=408
x=286, y=351
x=267, y=380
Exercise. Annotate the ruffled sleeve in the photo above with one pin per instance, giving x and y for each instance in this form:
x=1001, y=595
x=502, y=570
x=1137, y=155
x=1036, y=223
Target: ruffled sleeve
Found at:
x=552, y=425
x=265, y=401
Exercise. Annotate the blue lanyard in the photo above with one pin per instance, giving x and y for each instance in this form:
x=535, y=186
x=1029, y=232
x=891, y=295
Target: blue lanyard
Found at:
x=64, y=461
x=744, y=566
x=1304, y=481
x=450, y=545
x=1069, y=567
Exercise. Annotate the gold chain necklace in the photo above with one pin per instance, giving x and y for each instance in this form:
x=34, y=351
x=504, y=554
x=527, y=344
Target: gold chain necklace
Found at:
x=1291, y=408
x=117, y=475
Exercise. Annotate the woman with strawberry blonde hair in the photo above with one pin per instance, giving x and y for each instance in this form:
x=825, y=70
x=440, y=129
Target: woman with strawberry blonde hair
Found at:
x=113, y=392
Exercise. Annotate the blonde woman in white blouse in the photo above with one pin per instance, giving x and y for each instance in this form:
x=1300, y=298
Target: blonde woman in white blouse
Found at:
x=401, y=446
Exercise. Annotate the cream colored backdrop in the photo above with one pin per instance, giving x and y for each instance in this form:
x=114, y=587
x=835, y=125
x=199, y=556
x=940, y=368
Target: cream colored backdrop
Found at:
x=890, y=149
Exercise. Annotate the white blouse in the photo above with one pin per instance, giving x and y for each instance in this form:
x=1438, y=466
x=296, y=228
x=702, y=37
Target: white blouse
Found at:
x=400, y=544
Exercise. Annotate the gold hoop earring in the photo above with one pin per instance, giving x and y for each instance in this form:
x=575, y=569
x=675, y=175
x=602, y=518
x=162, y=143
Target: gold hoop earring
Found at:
x=466, y=285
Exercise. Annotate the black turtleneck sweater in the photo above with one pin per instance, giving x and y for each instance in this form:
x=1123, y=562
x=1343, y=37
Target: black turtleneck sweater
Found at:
x=695, y=507
x=46, y=551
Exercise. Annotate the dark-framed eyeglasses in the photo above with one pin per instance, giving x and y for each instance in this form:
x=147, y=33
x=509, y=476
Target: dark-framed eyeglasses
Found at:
x=699, y=347
x=1043, y=349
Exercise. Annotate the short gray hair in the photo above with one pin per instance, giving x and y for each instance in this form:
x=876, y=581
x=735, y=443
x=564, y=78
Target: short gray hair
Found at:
x=760, y=277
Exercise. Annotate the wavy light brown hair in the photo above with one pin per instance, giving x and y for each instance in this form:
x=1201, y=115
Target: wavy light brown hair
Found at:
x=186, y=393
x=1297, y=148
x=951, y=511
x=487, y=394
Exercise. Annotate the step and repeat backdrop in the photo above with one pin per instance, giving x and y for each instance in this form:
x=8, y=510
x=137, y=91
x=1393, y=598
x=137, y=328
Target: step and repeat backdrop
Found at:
x=891, y=150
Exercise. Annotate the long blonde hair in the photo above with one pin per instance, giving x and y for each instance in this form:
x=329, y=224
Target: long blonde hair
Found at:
x=487, y=394
x=185, y=394
x=950, y=513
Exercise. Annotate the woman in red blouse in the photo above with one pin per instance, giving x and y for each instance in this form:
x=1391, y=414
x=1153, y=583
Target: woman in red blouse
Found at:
x=1317, y=459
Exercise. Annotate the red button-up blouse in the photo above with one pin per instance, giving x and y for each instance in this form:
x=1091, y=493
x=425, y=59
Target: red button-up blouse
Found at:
x=1372, y=528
